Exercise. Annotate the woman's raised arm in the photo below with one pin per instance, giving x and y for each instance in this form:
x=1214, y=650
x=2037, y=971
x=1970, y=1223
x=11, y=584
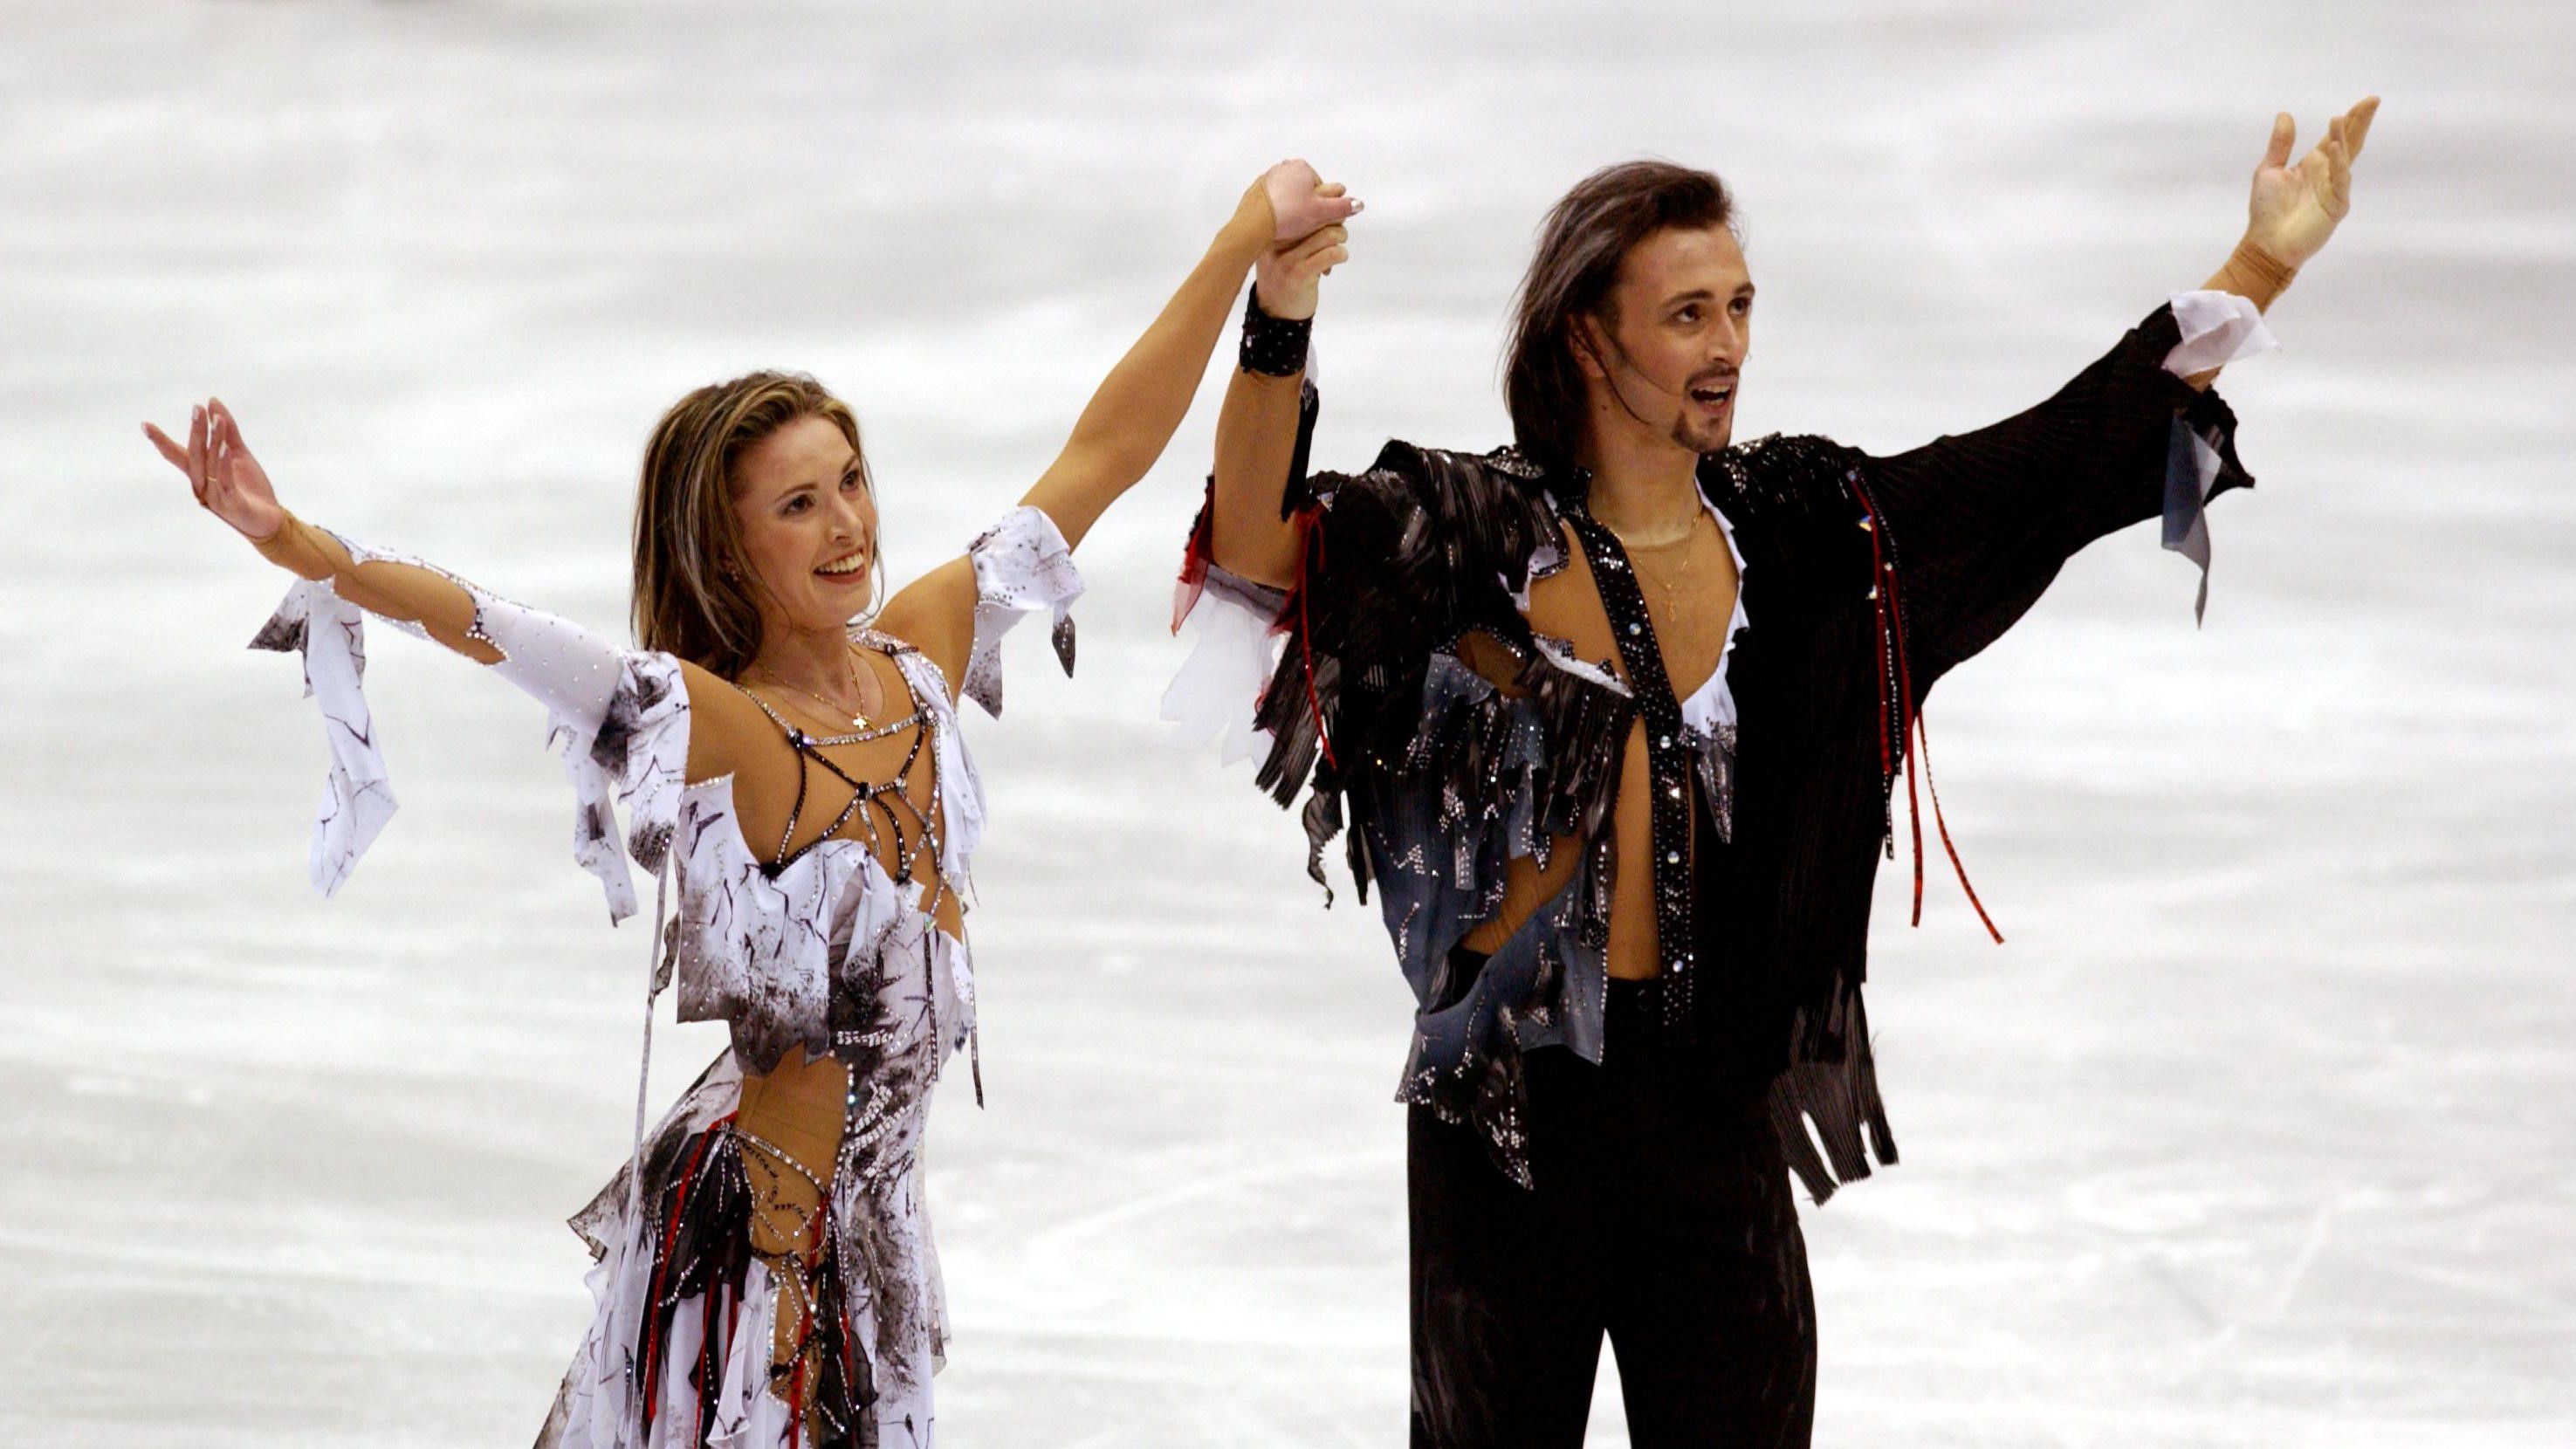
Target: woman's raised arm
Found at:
x=1138, y=406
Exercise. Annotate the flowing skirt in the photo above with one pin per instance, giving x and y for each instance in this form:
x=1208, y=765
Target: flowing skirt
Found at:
x=680, y=1349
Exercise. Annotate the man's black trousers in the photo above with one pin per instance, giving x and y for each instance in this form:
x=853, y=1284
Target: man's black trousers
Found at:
x=1661, y=1216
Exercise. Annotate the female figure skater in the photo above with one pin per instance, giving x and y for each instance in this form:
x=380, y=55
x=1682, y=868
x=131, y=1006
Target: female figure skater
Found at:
x=766, y=1275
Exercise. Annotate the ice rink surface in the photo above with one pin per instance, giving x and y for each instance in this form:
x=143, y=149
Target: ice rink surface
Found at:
x=2261, y=1131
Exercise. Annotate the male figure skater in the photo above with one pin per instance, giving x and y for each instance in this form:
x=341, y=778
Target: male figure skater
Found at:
x=1614, y=716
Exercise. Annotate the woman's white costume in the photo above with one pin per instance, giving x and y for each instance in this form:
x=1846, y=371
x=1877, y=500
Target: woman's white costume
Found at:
x=823, y=950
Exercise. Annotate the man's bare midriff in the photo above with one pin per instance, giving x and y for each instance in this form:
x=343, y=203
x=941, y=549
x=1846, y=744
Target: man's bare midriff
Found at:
x=1692, y=631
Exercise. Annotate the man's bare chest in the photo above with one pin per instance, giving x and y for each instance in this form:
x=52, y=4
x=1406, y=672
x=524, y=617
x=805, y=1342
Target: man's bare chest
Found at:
x=1690, y=595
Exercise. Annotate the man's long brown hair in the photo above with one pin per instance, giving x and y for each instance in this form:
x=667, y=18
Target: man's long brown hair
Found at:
x=694, y=590
x=1585, y=238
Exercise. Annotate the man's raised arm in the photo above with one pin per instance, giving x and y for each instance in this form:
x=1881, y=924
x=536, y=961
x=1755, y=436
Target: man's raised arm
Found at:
x=1256, y=435
x=1980, y=522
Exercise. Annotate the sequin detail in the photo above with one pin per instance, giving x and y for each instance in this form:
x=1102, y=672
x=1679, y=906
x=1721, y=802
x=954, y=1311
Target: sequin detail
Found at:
x=1272, y=346
x=1670, y=761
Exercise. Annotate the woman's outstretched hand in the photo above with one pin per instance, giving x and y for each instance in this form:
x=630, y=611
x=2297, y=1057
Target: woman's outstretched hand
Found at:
x=2295, y=208
x=1301, y=201
x=220, y=470
x=1290, y=201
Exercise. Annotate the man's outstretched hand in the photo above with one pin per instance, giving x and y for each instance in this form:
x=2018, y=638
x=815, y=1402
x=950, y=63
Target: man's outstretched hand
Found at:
x=2295, y=208
x=1289, y=278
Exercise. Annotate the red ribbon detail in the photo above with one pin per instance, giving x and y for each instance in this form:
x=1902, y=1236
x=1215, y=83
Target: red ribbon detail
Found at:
x=1310, y=554
x=1910, y=726
x=1194, y=560
x=652, y=1377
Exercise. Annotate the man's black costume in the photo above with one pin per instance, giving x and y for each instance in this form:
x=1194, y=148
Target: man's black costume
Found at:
x=1641, y=1129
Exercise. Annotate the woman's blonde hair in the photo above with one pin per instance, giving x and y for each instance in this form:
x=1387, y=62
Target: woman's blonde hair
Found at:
x=694, y=590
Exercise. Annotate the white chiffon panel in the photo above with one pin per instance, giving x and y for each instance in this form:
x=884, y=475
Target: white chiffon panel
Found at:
x=357, y=797
x=2218, y=328
x=1217, y=692
x=1711, y=707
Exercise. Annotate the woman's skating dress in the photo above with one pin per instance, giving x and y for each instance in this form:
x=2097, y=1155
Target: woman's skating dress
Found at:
x=821, y=950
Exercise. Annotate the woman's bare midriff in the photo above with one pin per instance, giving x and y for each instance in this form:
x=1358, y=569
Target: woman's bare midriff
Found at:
x=798, y=1106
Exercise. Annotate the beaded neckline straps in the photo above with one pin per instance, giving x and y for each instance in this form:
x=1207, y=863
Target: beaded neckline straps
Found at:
x=868, y=799
x=1668, y=756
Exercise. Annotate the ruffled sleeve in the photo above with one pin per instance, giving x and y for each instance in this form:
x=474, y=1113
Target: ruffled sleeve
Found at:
x=1022, y=565
x=620, y=717
x=638, y=753
x=2217, y=328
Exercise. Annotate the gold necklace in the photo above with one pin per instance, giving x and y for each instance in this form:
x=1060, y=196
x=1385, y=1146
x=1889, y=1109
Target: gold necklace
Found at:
x=1688, y=532
x=1670, y=587
x=858, y=719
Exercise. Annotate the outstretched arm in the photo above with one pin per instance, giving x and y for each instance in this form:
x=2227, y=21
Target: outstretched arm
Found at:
x=1138, y=406
x=230, y=483
x=626, y=714
x=574, y=679
x=1979, y=523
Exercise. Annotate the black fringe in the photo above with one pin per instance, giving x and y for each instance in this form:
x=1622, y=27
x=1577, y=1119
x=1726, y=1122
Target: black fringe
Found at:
x=700, y=1227
x=1832, y=1082
x=1586, y=725
x=1401, y=561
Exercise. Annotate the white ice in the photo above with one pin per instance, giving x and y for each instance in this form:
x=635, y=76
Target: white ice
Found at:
x=2261, y=1131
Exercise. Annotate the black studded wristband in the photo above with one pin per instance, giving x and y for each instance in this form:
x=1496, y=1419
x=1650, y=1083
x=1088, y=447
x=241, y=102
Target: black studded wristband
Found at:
x=1272, y=346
